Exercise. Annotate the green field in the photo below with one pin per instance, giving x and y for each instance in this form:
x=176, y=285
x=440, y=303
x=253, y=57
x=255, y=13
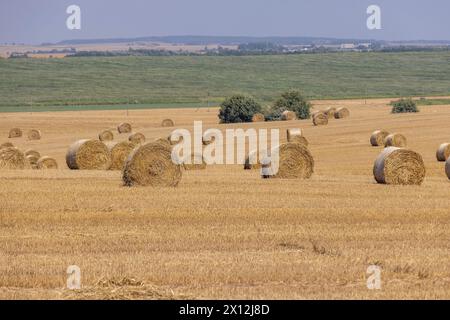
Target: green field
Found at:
x=60, y=84
x=433, y=102
x=429, y=102
x=120, y=106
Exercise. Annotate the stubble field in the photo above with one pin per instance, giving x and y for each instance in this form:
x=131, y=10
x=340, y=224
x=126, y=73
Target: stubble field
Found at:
x=225, y=232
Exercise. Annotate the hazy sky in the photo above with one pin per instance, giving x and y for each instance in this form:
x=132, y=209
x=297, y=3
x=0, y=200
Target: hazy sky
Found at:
x=37, y=21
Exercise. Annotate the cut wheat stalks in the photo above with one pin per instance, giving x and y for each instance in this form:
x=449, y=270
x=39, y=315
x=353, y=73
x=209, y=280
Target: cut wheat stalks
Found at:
x=34, y=134
x=124, y=127
x=45, y=163
x=330, y=111
x=341, y=113
x=320, y=119
x=399, y=166
x=119, y=153
x=395, y=140
x=137, y=138
x=152, y=165
x=196, y=162
x=167, y=123
x=15, y=133
x=12, y=159
x=258, y=117
x=88, y=155
x=106, y=135
x=288, y=115
x=443, y=152
x=378, y=137
x=295, y=162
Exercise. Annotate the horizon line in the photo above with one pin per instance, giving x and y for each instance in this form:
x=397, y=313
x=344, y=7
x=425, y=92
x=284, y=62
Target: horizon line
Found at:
x=142, y=38
x=147, y=38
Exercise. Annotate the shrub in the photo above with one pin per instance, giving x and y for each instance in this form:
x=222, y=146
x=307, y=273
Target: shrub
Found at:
x=238, y=108
x=404, y=106
x=291, y=100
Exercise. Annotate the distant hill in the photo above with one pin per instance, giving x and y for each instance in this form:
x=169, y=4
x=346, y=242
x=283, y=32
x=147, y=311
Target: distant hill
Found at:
x=223, y=40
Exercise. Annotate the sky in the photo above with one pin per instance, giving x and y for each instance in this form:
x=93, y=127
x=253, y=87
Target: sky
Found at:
x=38, y=21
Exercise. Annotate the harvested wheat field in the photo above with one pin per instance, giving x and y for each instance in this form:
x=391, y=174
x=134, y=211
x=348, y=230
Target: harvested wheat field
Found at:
x=224, y=232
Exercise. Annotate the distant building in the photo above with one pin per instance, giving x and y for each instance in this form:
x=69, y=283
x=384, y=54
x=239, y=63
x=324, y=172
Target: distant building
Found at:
x=365, y=45
x=348, y=46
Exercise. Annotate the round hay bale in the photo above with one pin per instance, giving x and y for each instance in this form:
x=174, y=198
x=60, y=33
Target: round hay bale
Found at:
x=341, y=113
x=31, y=152
x=119, y=153
x=447, y=168
x=330, y=111
x=252, y=162
x=296, y=136
x=295, y=162
x=167, y=123
x=106, y=135
x=395, y=140
x=15, y=133
x=258, y=117
x=137, y=138
x=6, y=145
x=197, y=162
x=47, y=163
x=164, y=142
x=443, y=152
x=88, y=155
x=320, y=119
x=300, y=140
x=12, y=159
x=34, y=134
x=399, y=167
x=124, y=127
x=288, y=115
x=32, y=160
x=151, y=165
x=378, y=137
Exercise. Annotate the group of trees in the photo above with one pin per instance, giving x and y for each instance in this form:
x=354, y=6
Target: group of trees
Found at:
x=256, y=48
x=130, y=52
x=404, y=106
x=243, y=49
x=241, y=108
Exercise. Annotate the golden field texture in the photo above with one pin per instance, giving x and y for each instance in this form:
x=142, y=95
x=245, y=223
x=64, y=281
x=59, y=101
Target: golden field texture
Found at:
x=224, y=232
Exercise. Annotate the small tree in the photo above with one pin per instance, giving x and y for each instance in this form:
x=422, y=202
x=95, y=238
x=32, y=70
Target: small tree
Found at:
x=238, y=108
x=404, y=106
x=291, y=100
